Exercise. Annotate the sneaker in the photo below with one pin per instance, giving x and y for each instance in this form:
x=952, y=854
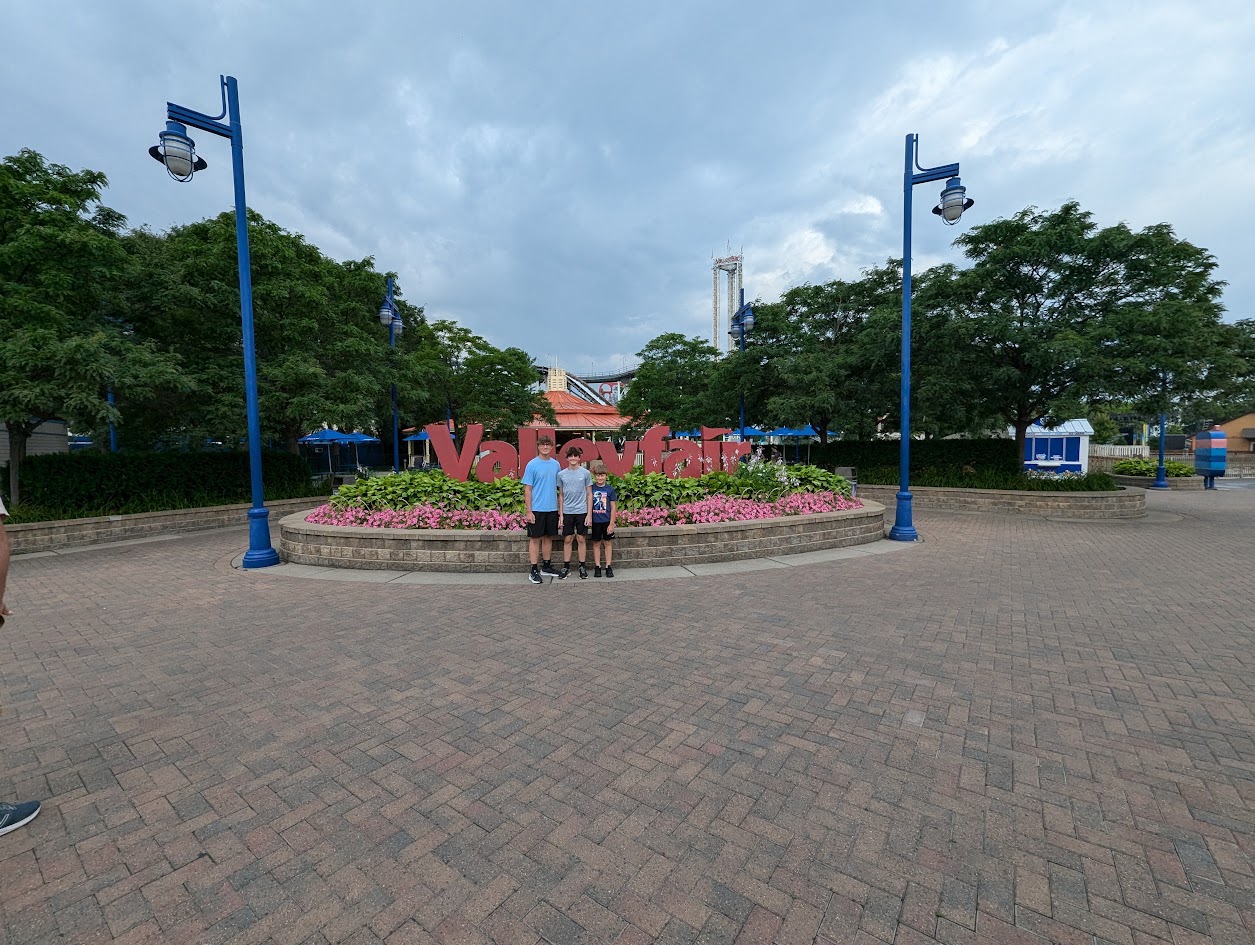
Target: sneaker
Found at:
x=609, y=571
x=583, y=571
x=597, y=571
x=13, y=816
x=548, y=568
x=564, y=573
x=534, y=576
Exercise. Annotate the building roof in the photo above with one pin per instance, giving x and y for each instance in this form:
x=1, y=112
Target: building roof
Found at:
x=1066, y=428
x=577, y=414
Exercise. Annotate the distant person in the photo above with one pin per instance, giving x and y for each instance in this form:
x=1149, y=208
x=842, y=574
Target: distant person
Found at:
x=605, y=512
x=540, y=499
x=12, y=816
x=576, y=485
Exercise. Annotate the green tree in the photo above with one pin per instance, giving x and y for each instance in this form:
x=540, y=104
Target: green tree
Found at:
x=322, y=355
x=674, y=385
x=480, y=383
x=1163, y=347
x=62, y=348
x=1031, y=315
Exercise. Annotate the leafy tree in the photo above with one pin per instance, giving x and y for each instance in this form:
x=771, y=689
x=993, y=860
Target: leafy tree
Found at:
x=1031, y=315
x=674, y=385
x=1164, y=347
x=61, y=349
x=322, y=356
x=480, y=383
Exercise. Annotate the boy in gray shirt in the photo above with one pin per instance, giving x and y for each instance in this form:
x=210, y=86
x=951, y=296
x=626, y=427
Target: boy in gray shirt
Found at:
x=575, y=487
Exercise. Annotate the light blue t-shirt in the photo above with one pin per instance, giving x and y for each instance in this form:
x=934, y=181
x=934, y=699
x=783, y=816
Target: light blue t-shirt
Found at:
x=575, y=483
x=542, y=476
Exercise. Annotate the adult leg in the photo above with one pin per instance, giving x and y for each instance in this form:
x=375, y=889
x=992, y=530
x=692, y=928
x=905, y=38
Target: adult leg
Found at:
x=533, y=550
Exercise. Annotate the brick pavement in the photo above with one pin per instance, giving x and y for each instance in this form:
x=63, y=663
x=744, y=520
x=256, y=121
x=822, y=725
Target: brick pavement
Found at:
x=1020, y=731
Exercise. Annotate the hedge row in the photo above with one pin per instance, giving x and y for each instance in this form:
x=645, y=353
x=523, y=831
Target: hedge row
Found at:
x=999, y=455
x=105, y=483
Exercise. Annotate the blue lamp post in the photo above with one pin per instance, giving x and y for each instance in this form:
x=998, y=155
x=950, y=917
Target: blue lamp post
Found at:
x=739, y=325
x=954, y=201
x=1161, y=471
x=389, y=316
x=178, y=153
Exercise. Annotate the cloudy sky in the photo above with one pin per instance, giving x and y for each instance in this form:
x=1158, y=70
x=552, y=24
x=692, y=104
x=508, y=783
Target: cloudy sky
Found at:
x=558, y=175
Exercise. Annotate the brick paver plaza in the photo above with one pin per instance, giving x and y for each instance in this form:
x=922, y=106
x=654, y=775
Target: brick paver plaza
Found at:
x=1018, y=731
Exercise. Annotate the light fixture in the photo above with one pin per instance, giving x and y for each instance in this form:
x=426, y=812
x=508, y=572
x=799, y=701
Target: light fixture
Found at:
x=954, y=201
x=177, y=152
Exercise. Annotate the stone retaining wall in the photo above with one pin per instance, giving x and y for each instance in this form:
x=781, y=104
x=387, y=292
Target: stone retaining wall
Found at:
x=73, y=532
x=1127, y=503
x=1175, y=483
x=400, y=549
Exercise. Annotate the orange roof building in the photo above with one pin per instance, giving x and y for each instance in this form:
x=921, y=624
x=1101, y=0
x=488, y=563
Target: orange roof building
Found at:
x=576, y=415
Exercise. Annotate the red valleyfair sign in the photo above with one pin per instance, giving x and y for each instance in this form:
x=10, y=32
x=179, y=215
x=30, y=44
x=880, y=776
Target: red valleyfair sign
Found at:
x=657, y=450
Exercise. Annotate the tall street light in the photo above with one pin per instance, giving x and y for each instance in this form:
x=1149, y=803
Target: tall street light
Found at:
x=741, y=324
x=178, y=153
x=1161, y=471
x=954, y=201
x=389, y=316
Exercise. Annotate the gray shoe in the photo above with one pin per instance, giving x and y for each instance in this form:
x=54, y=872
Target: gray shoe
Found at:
x=583, y=571
x=534, y=576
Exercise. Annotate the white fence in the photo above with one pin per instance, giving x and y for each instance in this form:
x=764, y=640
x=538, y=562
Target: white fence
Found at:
x=1140, y=452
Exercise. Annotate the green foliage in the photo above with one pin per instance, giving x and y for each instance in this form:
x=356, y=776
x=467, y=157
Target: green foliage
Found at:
x=71, y=485
x=408, y=489
x=674, y=384
x=637, y=490
x=995, y=454
x=956, y=478
x=759, y=480
x=1149, y=467
x=62, y=343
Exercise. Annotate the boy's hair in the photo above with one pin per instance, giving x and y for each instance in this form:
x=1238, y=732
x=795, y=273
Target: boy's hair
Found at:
x=574, y=451
x=544, y=441
x=597, y=466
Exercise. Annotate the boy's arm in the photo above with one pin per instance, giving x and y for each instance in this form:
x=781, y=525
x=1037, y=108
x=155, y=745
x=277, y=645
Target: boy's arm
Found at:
x=527, y=503
x=588, y=503
x=614, y=514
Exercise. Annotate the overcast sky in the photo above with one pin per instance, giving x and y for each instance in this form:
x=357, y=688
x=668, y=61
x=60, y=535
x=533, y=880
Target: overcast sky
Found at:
x=557, y=176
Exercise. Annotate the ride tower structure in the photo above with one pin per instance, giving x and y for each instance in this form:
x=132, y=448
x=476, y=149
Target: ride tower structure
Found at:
x=734, y=267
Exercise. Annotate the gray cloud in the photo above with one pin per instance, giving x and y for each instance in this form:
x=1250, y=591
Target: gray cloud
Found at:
x=556, y=176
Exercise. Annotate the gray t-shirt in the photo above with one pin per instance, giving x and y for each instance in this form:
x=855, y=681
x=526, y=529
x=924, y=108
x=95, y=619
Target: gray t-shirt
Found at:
x=574, y=484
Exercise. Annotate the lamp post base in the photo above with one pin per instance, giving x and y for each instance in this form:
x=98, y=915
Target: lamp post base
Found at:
x=903, y=528
x=260, y=553
x=1161, y=478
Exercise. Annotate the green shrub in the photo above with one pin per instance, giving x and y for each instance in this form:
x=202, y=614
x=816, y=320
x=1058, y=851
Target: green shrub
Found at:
x=85, y=484
x=864, y=454
x=637, y=490
x=1149, y=467
x=950, y=478
x=408, y=489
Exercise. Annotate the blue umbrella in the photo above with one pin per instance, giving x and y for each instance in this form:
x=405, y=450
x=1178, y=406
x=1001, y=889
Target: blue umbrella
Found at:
x=417, y=437
x=321, y=437
x=325, y=436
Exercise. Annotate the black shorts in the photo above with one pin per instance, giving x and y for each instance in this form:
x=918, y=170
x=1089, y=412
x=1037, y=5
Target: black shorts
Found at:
x=599, y=532
x=546, y=524
x=574, y=525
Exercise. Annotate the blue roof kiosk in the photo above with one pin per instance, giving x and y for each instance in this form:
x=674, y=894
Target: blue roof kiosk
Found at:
x=1064, y=448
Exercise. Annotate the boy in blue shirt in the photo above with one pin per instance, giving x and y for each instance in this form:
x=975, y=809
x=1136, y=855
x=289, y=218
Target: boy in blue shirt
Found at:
x=605, y=511
x=540, y=500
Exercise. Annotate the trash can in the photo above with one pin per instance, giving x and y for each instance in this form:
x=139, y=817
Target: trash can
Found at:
x=850, y=473
x=1211, y=455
